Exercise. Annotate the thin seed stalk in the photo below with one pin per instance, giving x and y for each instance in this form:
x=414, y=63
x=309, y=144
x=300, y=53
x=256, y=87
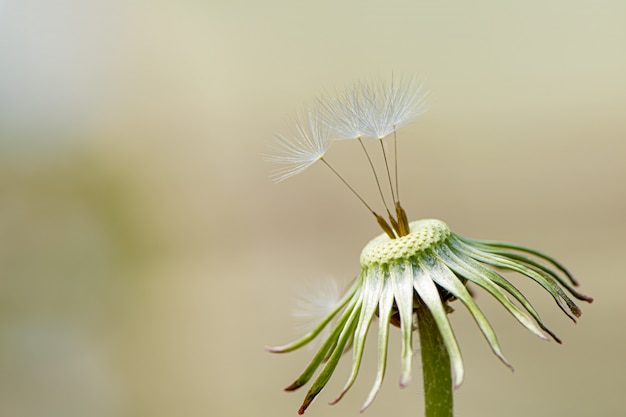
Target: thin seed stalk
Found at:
x=435, y=366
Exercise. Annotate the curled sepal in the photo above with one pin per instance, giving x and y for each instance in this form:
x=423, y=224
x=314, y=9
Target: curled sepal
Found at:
x=333, y=360
x=384, y=307
x=328, y=347
x=542, y=269
x=446, y=279
x=428, y=293
x=318, y=328
x=402, y=282
x=371, y=295
x=492, y=282
x=494, y=244
x=547, y=282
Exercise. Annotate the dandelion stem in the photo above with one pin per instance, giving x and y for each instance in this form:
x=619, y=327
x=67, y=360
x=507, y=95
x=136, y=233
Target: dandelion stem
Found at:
x=435, y=365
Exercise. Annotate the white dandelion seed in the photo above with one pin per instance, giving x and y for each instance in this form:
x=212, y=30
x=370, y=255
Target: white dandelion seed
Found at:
x=315, y=300
x=374, y=110
x=348, y=114
x=306, y=145
x=393, y=105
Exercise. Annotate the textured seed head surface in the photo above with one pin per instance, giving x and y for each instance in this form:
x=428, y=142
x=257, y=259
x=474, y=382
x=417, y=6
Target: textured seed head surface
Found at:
x=424, y=234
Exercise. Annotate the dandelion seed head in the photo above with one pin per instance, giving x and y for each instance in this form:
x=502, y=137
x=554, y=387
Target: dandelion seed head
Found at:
x=425, y=234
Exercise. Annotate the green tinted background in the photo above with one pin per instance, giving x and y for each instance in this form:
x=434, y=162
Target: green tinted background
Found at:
x=146, y=259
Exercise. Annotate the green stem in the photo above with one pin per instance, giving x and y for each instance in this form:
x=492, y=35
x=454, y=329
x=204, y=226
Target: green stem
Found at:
x=435, y=366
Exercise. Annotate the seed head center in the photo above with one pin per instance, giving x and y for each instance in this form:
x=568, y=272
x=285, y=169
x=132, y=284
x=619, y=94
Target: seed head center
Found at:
x=424, y=234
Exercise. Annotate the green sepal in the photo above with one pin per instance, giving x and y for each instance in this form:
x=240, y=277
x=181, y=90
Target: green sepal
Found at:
x=384, y=315
x=445, y=278
x=428, y=293
x=492, y=282
x=546, y=281
x=329, y=368
x=370, y=296
x=329, y=345
x=521, y=248
x=318, y=328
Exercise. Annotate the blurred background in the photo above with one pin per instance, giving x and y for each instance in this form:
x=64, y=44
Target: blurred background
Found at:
x=146, y=258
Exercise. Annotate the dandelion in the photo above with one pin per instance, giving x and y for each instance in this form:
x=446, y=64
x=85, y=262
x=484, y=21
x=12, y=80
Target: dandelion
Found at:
x=409, y=277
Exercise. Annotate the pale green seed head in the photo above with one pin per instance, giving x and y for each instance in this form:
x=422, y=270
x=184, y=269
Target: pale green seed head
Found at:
x=424, y=234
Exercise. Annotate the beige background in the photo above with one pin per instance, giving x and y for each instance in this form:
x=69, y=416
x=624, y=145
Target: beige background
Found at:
x=146, y=259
